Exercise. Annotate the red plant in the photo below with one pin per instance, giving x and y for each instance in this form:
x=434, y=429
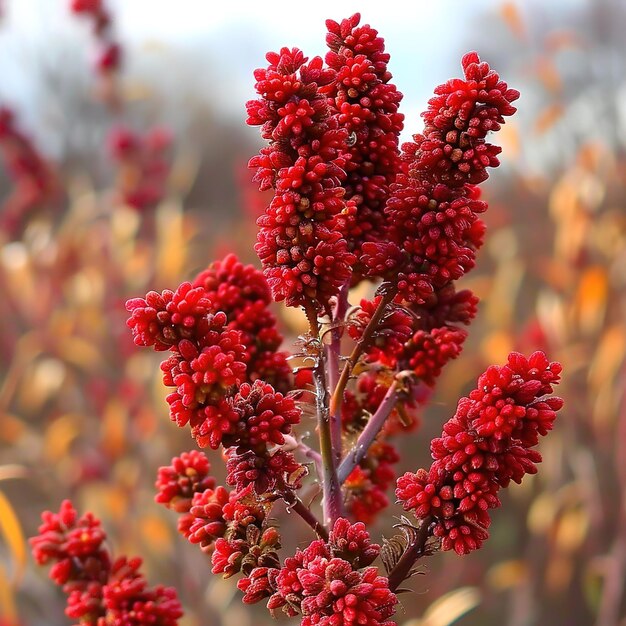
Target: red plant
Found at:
x=35, y=183
x=348, y=206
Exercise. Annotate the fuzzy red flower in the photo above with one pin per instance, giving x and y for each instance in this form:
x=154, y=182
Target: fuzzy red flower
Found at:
x=265, y=416
x=351, y=542
x=163, y=319
x=452, y=148
x=334, y=593
x=483, y=446
x=208, y=518
x=187, y=475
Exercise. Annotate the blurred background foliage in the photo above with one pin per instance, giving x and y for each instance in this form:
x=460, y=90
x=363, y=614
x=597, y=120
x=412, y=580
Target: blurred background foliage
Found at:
x=82, y=413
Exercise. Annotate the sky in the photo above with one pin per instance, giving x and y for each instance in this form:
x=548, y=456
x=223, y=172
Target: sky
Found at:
x=209, y=50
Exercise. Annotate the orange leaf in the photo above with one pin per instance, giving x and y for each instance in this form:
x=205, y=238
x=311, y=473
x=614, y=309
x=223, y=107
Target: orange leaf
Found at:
x=548, y=117
x=11, y=530
x=510, y=13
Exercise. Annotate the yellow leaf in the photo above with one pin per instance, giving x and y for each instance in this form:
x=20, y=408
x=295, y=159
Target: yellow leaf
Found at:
x=156, y=533
x=11, y=428
x=608, y=357
x=450, y=607
x=542, y=514
x=60, y=435
x=172, y=244
x=507, y=574
x=80, y=353
x=114, y=425
x=591, y=297
x=13, y=536
x=572, y=529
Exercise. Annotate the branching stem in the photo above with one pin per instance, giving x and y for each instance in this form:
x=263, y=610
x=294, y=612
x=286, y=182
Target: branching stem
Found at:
x=414, y=550
x=371, y=430
x=388, y=294
x=333, y=354
x=331, y=502
x=295, y=504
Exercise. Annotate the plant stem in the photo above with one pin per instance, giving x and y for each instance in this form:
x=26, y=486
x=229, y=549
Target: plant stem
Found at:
x=333, y=353
x=331, y=502
x=314, y=455
x=413, y=551
x=371, y=430
x=389, y=292
x=295, y=504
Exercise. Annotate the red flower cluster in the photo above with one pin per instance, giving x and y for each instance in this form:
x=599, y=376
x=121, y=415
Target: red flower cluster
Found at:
x=452, y=149
x=432, y=213
x=365, y=103
x=242, y=292
x=100, y=591
x=305, y=259
x=205, y=374
x=483, y=447
x=143, y=165
x=109, y=52
x=35, y=183
x=231, y=525
x=221, y=334
x=332, y=583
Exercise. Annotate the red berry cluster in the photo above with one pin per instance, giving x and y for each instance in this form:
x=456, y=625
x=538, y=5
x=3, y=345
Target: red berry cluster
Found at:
x=487, y=443
x=365, y=103
x=347, y=205
x=109, y=52
x=224, y=345
x=433, y=209
x=34, y=182
x=332, y=582
x=242, y=292
x=233, y=526
x=305, y=259
x=143, y=165
x=100, y=590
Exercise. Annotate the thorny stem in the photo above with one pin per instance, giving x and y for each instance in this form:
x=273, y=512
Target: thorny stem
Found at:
x=371, y=430
x=389, y=292
x=414, y=550
x=333, y=353
x=295, y=504
x=331, y=502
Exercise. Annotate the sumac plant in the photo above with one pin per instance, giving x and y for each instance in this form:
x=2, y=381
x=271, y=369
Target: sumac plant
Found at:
x=349, y=205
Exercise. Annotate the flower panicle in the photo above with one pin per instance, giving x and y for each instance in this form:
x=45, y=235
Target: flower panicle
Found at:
x=488, y=442
x=100, y=589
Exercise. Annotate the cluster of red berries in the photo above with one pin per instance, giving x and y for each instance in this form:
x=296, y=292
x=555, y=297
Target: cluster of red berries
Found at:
x=305, y=259
x=366, y=104
x=109, y=56
x=143, y=165
x=487, y=443
x=232, y=526
x=34, y=181
x=224, y=346
x=100, y=590
x=348, y=205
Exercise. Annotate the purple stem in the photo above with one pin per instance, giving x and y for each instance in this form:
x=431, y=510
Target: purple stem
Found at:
x=333, y=354
x=371, y=430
